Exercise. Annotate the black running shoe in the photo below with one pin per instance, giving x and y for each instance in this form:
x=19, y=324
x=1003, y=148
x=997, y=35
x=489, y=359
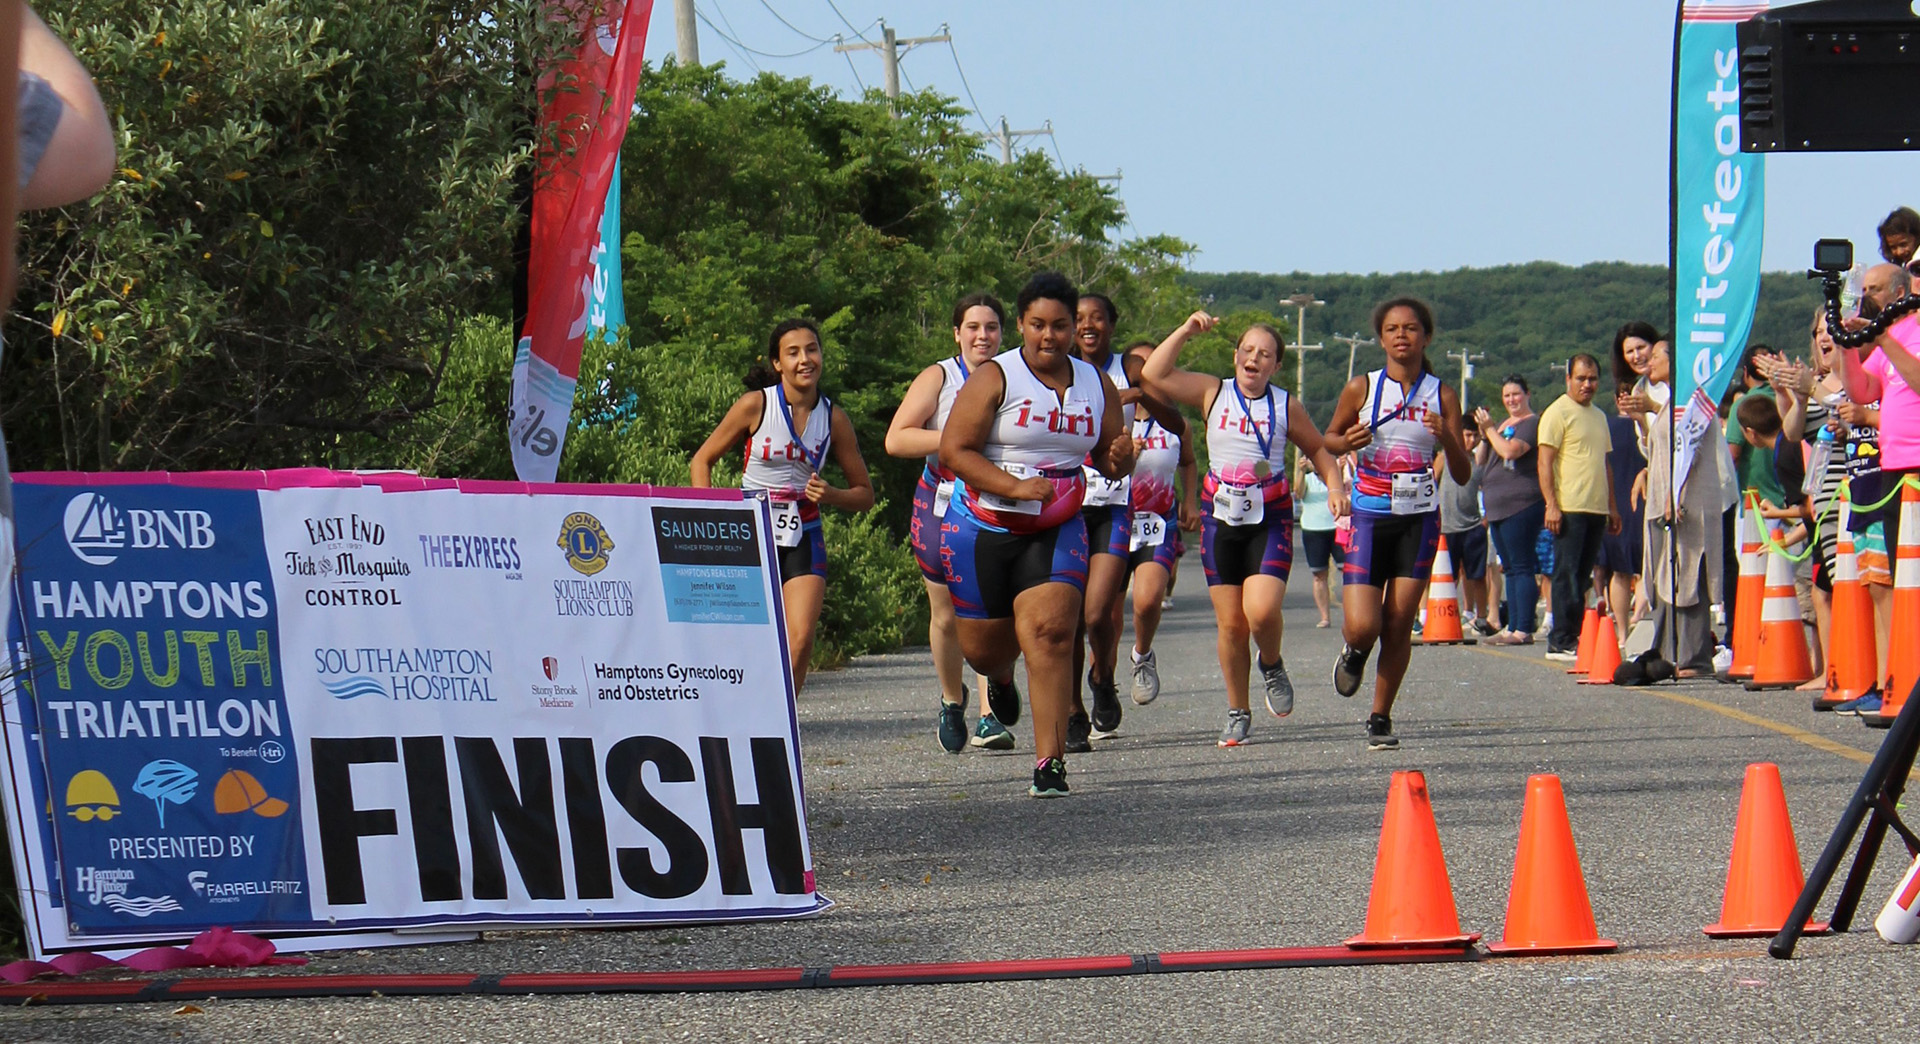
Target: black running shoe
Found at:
x=1004, y=701
x=1049, y=779
x=1106, y=707
x=1348, y=669
x=1380, y=733
x=1079, y=729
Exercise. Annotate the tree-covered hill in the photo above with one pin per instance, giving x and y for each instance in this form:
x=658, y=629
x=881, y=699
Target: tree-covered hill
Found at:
x=1524, y=318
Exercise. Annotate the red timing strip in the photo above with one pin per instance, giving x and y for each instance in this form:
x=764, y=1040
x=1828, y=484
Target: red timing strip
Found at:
x=123, y=991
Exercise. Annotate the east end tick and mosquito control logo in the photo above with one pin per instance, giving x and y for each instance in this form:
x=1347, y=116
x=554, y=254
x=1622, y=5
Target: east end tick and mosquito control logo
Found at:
x=98, y=532
x=585, y=542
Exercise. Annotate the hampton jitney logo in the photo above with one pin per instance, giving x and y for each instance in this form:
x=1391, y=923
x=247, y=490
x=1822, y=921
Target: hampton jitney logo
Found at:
x=97, y=531
x=586, y=543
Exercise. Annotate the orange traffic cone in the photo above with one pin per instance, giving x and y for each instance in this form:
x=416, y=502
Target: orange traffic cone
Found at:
x=1548, y=911
x=1903, y=660
x=1606, y=653
x=1763, y=877
x=1783, y=660
x=1852, y=654
x=1412, y=900
x=1750, y=592
x=1442, y=626
x=1589, y=627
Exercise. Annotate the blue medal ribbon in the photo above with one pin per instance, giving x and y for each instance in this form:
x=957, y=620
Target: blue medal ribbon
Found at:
x=1246, y=409
x=813, y=458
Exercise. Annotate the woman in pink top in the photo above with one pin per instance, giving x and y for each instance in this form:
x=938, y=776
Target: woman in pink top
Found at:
x=1891, y=374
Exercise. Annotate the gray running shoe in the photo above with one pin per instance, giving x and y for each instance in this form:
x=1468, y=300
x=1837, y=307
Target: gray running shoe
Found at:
x=1380, y=733
x=1239, y=723
x=1279, y=688
x=1348, y=669
x=991, y=735
x=1146, y=680
x=1079, y=728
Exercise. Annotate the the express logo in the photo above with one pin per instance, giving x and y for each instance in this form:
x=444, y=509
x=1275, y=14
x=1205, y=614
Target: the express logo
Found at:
x=585, y=542
x=98, y=532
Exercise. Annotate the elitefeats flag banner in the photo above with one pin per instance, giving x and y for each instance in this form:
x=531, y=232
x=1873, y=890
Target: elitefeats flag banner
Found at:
x=607, y=311
x=309, y=703
x=589, y=101
x=1719, y=203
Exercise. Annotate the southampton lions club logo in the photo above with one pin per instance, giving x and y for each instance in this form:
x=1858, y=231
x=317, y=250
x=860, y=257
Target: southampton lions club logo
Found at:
x=586, y=543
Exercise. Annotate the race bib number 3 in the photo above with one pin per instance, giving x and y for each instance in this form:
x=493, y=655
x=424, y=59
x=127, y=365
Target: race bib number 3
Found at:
x=1149, y=530
x=1414, y=493
x=1239, y=505
x=786, y=523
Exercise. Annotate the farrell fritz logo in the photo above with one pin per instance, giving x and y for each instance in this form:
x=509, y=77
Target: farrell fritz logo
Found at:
x=586, y=543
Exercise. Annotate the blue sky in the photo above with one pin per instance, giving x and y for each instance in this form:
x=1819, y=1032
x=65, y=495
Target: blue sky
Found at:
x=1335, y=135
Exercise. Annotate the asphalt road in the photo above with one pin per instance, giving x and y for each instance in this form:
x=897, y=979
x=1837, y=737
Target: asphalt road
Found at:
x=1172, y=843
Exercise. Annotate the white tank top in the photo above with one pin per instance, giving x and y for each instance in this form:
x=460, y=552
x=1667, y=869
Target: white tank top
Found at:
x=1155, y=467
x=1102, y=491
x=776, y=461
x=1235, y=431
x=1401, y=441
x=953, y=373
x=1036, y=432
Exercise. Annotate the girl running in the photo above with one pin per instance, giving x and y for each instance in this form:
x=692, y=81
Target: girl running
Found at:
x=1165, y=455
x=1108, y=517
x=1392, y=419
x=978, y=320
x=1246, y=540
x=1015, y=542
x=788, y=427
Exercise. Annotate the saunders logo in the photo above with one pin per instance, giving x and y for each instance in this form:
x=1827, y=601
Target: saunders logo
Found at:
x=586, y=543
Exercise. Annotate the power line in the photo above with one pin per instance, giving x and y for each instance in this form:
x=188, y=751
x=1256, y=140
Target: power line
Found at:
x=843, y=19
x=855, y=70
x=744, y=50
x=968, y=88
x=790, y=25
x=738, y=47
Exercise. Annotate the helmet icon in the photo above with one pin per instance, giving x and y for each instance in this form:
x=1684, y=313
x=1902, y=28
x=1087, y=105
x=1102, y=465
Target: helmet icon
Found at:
x=90, y=796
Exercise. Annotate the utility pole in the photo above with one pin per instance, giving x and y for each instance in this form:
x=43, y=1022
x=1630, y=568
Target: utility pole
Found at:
x=1301, y=301
x=891, y=48
x=1005, y=138
x=1113, y=177
x=686, y=35
x=1467, y=357
x=1353, y=344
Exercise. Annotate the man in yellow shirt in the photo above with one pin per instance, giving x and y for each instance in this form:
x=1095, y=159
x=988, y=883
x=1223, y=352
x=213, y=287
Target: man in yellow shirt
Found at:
x=1578, y=486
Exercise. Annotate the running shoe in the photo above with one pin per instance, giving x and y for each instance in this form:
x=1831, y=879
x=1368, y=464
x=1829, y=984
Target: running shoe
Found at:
x=991, y=735
x=953, y=727
x=1867, y=703
x=1239, y=723
x=1563, y=655
x=1166, y=603
x=1380, y=733
x=1079, y=730
x=1348, y=669
x=1106, y=707
x=1049, y=779
x=1146, y=680
x=1279, y=688
x=1722, y=659
x=1004, y=701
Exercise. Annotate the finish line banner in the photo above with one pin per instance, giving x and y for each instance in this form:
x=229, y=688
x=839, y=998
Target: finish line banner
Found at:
x=310, y=702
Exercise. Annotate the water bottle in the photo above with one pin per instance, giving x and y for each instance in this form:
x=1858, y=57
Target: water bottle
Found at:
x=1852, y=288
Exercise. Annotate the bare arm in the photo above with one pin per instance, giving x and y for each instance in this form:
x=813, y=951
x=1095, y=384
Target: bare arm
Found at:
x=908, y=434
x=1162, y=372
x=729, y=436
x=965, y=435
x=858, y=496
x=1506, y=448
x=79, y=158
x=1548, y=454
x=1345, y=433
x=1459, y=463
x=1113, y=452
x=1313, y=448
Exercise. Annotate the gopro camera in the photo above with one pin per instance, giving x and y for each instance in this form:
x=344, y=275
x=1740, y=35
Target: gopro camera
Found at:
x=1833, y=256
